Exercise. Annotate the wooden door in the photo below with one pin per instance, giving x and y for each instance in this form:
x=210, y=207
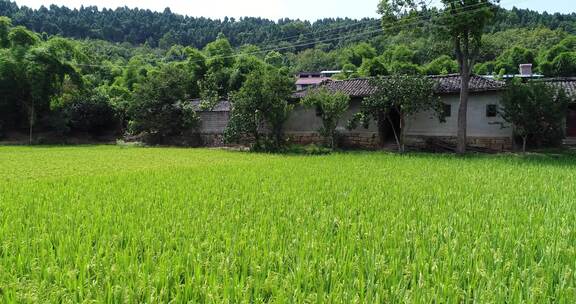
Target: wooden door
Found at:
x=571, y=123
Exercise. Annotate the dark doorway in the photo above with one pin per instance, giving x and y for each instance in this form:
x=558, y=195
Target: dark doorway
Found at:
x=387, y=125
x=393, y=125
x=571, y=122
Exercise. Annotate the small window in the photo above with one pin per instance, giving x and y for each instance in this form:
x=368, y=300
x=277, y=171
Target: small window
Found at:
x=491, y=110
x=447, y=110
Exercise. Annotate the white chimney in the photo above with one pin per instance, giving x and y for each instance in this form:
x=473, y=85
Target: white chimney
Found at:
x=526, y=69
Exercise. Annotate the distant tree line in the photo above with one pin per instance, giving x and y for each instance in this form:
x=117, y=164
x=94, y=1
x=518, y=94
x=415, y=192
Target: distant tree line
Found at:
x=164, y=29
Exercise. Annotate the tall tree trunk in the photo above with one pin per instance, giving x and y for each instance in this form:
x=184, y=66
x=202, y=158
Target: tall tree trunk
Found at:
x=463, y=110
x=333, y=139
x=524, y=140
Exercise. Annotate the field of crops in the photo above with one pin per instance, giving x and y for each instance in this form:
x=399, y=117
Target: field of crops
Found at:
x=128, y=225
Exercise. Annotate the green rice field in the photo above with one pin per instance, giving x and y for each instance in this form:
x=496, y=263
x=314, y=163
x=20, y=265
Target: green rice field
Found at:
x=107, y=224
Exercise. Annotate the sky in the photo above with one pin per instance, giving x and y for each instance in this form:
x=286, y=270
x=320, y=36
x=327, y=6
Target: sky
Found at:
x=276, y=9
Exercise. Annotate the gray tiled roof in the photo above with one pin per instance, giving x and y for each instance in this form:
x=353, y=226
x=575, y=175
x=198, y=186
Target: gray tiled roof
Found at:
x=447, y=84
x=567, y=83
x=451, y=84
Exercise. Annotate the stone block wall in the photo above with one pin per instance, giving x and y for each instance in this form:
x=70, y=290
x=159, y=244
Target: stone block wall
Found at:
x=501, y=144
x=212, y=140
x=364, y=140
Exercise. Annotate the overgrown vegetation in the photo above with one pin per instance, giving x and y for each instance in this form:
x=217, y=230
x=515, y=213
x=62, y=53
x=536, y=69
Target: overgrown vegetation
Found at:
x=537, y=111
x=260, y=108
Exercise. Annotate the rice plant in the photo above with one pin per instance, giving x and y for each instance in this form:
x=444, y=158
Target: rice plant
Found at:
x=139, y=225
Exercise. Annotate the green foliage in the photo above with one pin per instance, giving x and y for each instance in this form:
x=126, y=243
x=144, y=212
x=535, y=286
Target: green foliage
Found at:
x=373, y=67
x=90, y=112
x=209, y=92
x=21, y=37
x=161, y=107
x=274, y=59
x=508, y=62
x=400, y=53
x=565, y=64
x=135, y=72
x=32, y=75
x=405, y=68
x=219, y=53
x=243, y=66
x=536, y=111
x=357, y=54
x=5, y=25
x=404, y=95
x=442, y=65
x=260, y=108
x=311, y=60
x=330, y=107
x=11, y=92
x=168, y=40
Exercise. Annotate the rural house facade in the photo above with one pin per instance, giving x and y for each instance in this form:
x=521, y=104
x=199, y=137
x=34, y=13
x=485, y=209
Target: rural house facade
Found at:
x=484, y=126
x=486, y=129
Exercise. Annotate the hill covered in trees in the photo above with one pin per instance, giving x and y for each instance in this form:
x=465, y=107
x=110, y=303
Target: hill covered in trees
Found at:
x=72, y=69
x=163, y=29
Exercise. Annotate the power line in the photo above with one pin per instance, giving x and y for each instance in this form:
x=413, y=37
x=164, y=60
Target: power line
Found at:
x=398, y=24
x=378, y=26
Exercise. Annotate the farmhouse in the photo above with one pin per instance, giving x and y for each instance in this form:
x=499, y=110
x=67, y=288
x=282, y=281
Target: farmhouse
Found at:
x=486, y=128
x=484, y=125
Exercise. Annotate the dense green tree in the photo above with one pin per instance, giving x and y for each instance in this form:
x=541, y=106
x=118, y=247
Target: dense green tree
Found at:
x=45, y=71
x=373, y=67
x=32, y=74
x=315, y=60
x=400, y=53
x=442, y=65
x=564, y=65
x=5, y=25
x=404, y=95
x=134, y=73
x=274, y=59
x=535, y=110
x=161, y=106
x=330, y=107
x=90, y=111
x=260, y=109
x=219, y=53
x=243, y=67
x=139, y=26
x=404, y=68
x=356, y=54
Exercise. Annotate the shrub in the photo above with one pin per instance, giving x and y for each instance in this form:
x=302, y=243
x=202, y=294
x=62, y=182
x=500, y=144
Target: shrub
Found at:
x=91, y=114
x=536, y=110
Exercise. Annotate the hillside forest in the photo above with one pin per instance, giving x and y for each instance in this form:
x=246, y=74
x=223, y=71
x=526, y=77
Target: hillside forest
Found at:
x=93, y=70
